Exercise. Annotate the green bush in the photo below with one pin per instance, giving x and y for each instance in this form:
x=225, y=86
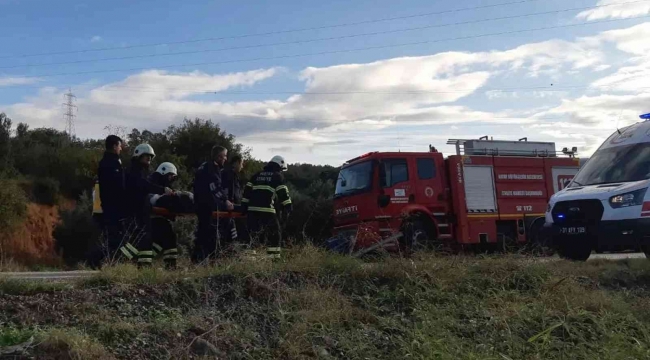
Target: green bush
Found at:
x=45, y=191
x=13, y=205
x=184, y=227
x=311, y=219
x=77, y=232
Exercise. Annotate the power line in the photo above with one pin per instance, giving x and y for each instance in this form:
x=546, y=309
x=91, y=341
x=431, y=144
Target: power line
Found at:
x=551, y=88
x=339, y=51
x=273, y=32
x=374, y=33
x=360, y=92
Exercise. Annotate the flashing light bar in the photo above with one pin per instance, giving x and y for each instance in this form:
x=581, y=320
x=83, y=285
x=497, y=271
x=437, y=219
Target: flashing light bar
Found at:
x=645, y=116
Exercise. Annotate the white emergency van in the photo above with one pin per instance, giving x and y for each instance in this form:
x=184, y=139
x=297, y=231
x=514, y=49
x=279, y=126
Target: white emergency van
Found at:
x=607, y=204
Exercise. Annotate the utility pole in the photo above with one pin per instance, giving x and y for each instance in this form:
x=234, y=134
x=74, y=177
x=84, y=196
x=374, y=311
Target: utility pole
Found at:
x=70, y=113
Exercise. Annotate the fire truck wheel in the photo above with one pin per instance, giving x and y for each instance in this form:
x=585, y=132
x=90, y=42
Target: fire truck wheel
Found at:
x=539, y=242
x=417, y=236
x=574, y=249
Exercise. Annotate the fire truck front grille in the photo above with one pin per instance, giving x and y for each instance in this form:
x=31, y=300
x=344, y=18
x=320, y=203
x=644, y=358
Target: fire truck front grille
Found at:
x=578, y=211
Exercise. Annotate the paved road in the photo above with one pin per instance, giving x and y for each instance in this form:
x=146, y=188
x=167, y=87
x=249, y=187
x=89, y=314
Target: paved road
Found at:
x=47, y=275
x=69, y=275
x=617, y=256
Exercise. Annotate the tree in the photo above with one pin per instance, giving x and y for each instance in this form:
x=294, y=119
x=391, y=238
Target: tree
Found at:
x=5, y=142
x=195, y=138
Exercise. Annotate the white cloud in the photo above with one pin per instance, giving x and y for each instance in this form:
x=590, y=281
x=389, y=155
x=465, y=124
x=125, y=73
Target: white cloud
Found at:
x=405, y=102
x=634, y=78
x=13, y=81
x=95, y=39
x=625, y=10
x=603, y=112
x=633, y=40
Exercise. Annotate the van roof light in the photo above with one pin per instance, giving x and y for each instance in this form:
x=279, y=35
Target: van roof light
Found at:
x=645, y=116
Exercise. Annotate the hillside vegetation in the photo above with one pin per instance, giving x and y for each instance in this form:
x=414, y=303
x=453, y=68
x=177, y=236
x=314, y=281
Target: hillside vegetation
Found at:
x=320, y=305
x=50, y=168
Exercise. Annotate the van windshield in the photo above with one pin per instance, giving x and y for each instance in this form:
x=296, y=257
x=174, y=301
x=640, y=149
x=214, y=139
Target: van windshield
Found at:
x=354, y=179
x=616, y=164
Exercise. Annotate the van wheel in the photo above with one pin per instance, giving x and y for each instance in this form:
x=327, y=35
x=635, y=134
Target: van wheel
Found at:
x=416, y=236
x=646, y=251
x=575, y=249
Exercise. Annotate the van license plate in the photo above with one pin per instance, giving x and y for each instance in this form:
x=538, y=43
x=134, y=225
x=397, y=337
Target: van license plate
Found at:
x=573, y=230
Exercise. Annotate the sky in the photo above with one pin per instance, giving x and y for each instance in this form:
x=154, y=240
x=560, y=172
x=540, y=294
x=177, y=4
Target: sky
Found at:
x=325, y=81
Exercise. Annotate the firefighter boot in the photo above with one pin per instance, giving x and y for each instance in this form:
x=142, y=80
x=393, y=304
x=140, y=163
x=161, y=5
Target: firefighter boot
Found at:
x=145, y=259
x=273, y=253
x=169, y=257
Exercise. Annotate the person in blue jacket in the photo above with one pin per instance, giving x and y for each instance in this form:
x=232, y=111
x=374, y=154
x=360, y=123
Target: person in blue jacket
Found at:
x=111, y=181
x=210, y=195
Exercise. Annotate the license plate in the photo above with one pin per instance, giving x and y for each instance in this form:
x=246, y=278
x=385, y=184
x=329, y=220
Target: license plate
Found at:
x=573, y=230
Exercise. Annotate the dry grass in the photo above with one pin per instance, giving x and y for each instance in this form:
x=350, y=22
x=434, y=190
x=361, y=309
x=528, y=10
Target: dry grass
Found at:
x=319, y=305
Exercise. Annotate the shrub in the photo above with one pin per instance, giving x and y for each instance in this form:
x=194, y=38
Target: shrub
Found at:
x=311, y=219
x=13, y=205
x=45, y=191
x=184, y=227
x=77, y=232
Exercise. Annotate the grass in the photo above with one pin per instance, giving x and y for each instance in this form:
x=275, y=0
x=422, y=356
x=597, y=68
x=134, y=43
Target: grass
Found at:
x=320, y=305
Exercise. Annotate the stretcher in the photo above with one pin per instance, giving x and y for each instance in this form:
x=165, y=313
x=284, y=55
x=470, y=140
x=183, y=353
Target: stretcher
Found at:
x=216, y=214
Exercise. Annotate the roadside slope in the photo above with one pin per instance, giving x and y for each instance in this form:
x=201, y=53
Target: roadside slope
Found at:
x=318, y=305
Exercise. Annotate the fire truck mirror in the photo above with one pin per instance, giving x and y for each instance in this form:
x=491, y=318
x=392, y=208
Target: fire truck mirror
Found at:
x=383, y=200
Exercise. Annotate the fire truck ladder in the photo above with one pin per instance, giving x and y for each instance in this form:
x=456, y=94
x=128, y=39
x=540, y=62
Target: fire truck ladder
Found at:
x=522, y=147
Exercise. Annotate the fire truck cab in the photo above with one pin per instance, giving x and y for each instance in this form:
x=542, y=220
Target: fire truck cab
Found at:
x=490, y=191
x=607, y=204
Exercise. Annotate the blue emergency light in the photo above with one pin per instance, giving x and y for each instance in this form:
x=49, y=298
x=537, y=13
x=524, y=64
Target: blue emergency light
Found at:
x=645, y=116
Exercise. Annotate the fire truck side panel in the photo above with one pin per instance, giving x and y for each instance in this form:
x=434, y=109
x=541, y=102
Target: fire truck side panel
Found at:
x=482, y=228
x=428, y=174
x=474, y=194
x=457, y=183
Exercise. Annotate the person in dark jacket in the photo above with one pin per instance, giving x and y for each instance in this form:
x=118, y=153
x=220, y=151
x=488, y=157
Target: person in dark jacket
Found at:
x=260, y=195
x=209, y=196
x=162, y=233
x=232, y=182
x=112, y=196
x=138, y=188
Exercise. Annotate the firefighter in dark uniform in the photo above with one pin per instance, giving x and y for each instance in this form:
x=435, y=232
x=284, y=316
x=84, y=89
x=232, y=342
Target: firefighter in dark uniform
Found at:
x=162, y=232
x=112, y=196
x=260, y=195
x=138, y=188
x=232, y=183
x=209, y=196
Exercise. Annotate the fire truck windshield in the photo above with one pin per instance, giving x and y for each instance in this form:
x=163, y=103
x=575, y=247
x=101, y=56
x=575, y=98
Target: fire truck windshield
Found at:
x=354, y=179
x=616, y=164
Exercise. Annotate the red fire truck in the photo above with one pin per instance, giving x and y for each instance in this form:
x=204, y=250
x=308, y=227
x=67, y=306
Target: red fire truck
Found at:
x=490, y=191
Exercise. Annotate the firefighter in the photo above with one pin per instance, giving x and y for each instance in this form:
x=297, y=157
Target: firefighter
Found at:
x=260, y=195
x=111, y=199
x=209, y=196
x=138, y=188
x=162, y=233
x=232, y=183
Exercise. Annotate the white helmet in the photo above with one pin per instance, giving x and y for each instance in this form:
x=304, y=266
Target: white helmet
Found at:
x=280, y=161
x=167, y=168
x=143, y=149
